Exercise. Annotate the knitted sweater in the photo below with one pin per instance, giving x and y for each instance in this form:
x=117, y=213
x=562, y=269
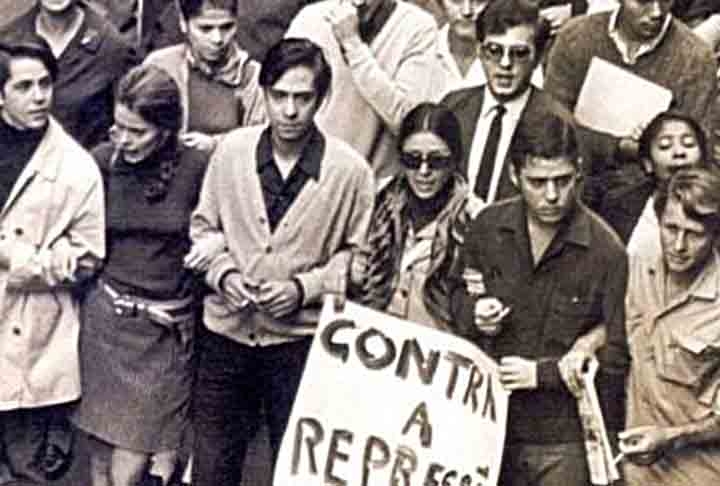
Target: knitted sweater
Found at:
x=681, y=62
x=374, y=86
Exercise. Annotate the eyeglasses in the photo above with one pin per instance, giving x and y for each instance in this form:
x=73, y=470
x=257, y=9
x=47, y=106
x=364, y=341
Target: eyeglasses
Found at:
x=496, y=52
x=434, y=161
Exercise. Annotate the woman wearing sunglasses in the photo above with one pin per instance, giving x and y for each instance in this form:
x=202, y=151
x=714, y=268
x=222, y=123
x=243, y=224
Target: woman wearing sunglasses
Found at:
x=138, y=321
x=411, y=239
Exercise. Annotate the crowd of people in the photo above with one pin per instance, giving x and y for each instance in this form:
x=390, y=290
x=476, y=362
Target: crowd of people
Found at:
x=177, y=196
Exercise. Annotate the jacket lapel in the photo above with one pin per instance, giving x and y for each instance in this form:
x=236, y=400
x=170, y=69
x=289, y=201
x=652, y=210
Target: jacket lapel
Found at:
x=468, y=114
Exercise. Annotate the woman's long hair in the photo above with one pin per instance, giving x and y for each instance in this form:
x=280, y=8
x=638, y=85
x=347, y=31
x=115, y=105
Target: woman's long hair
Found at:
x=152, y=94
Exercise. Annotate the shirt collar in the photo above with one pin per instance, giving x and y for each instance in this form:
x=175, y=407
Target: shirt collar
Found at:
x=514, y=107
x=310, y=160
x=575, y=229
x=707, y=284
x=624, y=48
x=370, y=29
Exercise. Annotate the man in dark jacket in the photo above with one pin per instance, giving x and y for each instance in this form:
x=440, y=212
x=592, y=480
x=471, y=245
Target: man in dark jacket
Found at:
x=546, y=272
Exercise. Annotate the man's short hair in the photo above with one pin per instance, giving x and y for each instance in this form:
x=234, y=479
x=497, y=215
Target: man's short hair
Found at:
x=555, y=137
x=293, y=52
x=191, y=8
x=30, y=46
x=501, y=15
x=654, y=127
x=698, y=192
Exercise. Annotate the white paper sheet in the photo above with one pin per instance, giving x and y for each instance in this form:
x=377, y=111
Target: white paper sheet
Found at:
x=615, y=101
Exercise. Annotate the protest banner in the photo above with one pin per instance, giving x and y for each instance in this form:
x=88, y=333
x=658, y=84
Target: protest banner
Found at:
x=387, y=402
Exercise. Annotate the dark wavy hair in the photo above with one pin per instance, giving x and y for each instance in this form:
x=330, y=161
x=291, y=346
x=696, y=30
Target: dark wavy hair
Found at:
x=555, y=137
x=191, y=8
x=501, y=15
x=152, y=94
x=698, y=191
x=292, y=52
x=437, y=119
x=654, y=127
x=26, y=45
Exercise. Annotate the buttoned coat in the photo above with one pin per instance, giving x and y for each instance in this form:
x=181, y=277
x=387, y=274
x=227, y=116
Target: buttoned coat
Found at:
x=52, y=224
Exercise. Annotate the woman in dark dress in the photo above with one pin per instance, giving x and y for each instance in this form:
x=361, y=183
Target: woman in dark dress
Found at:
x=138, y=321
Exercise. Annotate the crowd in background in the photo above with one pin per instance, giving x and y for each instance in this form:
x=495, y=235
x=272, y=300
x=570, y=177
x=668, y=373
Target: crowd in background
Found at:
x=182, y=181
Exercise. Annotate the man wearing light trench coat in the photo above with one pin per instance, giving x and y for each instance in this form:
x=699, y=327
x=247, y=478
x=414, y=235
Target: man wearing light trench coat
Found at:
x=52, y=237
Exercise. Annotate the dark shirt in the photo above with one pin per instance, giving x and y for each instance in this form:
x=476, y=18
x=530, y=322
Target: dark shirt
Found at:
x=147, y=239
x=88, y=69
x=279, y=193
x=16, y=149
x=579, y=282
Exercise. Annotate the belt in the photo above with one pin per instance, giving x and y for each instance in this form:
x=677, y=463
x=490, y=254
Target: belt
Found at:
x=163, y=312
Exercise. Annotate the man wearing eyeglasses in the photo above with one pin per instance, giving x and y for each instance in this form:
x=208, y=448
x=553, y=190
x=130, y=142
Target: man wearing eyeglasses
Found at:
x=511, y=37
x=642, y=37
x=545, y=271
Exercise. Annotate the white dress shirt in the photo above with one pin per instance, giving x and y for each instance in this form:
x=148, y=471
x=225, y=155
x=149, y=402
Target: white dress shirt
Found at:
x=452, y=77
x=514, y=111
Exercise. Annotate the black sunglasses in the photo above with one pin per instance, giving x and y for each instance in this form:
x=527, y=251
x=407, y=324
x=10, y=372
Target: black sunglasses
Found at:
x=413, y=160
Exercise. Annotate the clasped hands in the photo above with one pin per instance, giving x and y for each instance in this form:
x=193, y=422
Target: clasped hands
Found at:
x=277, y=298
x=517, y=373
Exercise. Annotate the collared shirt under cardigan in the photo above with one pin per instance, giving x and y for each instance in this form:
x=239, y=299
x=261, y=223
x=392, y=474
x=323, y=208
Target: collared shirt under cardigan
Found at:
x=278, y=193
x=578, y=283
x=674, y=376
x=311, y=243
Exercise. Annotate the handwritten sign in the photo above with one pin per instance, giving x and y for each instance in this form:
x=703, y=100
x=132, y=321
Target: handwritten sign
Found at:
x=386, y=402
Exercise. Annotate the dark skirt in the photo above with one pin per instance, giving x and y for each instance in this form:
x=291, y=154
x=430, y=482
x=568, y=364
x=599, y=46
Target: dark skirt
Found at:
x=136, y=377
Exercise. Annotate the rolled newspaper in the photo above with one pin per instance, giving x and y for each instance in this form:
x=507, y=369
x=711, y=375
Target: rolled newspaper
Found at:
x=602, y=467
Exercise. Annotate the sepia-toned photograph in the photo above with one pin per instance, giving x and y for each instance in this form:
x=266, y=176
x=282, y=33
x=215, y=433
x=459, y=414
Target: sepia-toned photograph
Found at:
x=359, y=242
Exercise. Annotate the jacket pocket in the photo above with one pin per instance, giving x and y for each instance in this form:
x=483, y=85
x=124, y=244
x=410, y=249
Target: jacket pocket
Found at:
x=688, y=360
x=571, y=315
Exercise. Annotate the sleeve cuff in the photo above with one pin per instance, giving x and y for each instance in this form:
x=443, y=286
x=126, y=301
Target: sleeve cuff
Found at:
x=549, y=374
x=311, y=286
x=219, y=268
x=301, y=291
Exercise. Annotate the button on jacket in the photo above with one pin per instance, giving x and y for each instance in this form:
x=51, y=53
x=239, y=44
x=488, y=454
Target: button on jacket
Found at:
x=56, y=208
x=674, y=377
x=311, y=242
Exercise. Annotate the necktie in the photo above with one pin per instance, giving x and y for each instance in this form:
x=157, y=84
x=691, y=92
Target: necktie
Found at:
x=487, y=163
